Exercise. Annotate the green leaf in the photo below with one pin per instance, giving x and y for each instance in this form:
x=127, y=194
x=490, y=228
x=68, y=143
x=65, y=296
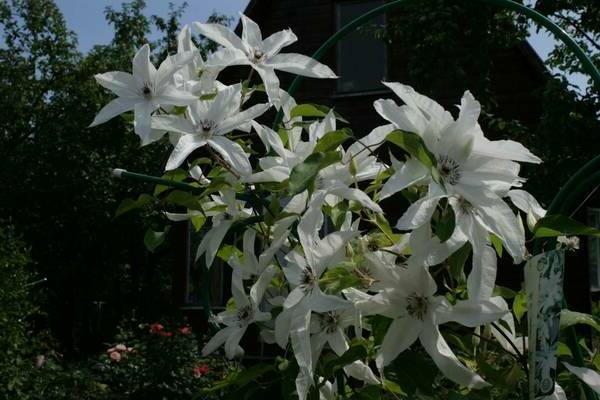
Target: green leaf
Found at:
x=241, y=379
x=354, y=353
x=198, y=222
x=177, y=175
x=561, y=225
x=497, y=243
x=227, y=251
x=337, y=279
x=504, y=292
x=445, y=226
x=413, y=145
x=457, y=262
x=184, y=199
x=304, y=174
x=384, y=226
x=331, y=140
x=152, y=239
x=569, y=318
x=131, y=204
x=520, y=305
x=313, y=111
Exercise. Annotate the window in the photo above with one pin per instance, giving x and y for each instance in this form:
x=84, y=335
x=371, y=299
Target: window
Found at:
x=594, y=250
x=361, y=58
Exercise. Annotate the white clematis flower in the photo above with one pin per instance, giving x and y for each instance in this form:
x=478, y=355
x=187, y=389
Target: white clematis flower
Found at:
x=474, y=183
x=222, y=220
x=262, y=55
x=417, y=312
x=250, y=265
x=245, y=313
x=328, y=328
x=207, y=123
x=144, y=91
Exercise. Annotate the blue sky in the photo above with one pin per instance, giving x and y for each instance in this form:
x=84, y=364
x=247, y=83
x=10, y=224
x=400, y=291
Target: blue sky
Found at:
x=91, y=27
x=86, y=17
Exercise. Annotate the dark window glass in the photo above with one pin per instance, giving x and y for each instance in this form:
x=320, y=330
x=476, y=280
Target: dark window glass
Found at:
x=361, y=58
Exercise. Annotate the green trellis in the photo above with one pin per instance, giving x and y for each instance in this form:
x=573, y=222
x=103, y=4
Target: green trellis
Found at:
x=564, y=202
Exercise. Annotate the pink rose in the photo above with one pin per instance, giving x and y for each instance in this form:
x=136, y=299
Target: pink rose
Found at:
x=185, y=330
x=200, y=370
x=115, y=356
x=156, y=328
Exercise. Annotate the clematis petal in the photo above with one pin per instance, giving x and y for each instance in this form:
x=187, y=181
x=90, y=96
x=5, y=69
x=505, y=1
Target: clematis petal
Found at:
x=329, y=251
x=430, y=109
x=226, y=103
x=364, y=146
x=358, y=195
x=404, y=117
x=237, y=119
x=471, y=313
x=173, y=123
x=275, y=174
x=282, y=326
x=262, y=283
x=232, y=153
x=237, y=291
x=274, y=43
x=411, y=173
x=220, y=34
x=300, y=338
x=251, y=32
x=143, y=70
x=114, y=108
x=271, y=82
x=304, y=381
x=321, y=302
x=171, y=65
x=401, y=334
x=226, y=57
x=212, y=241
x=525, y=202
x=419, y=213
x=186, y=144
x=482, y=278
x=588, y=376
x=143, y=118
x=300, y=65
x=217, y=340
x=504, y=149
x=294, y=297
x=169, y=95
x=120, y=83
x=270, y=139
x=494, y=213
x=446, y=360
x=232, y=344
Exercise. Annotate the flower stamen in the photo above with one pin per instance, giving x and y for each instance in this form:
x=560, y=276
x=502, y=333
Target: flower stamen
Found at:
x=417, y=306
x=449, y=170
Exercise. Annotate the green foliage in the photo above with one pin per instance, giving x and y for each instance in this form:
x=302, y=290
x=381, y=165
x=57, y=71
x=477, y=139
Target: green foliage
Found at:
x=561, y=225
x=413, y=145
x=304, y=174
x=15, y=313
x=62, y=199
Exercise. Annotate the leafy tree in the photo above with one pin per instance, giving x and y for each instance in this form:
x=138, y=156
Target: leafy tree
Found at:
x=59, y=193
